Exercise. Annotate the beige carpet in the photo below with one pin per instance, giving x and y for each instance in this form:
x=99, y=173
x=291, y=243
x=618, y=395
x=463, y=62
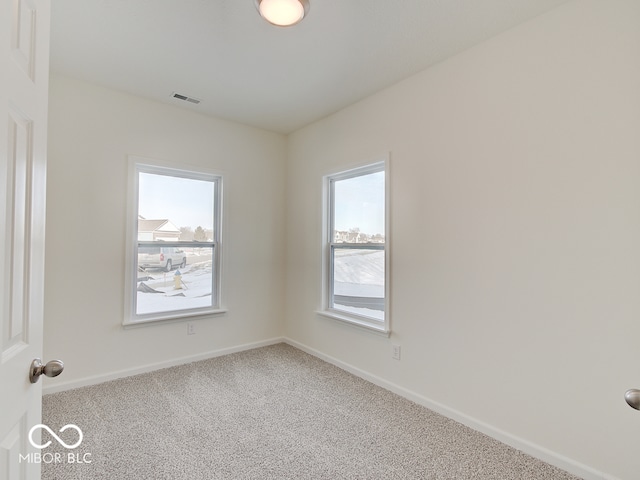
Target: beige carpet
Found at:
x=268, y=413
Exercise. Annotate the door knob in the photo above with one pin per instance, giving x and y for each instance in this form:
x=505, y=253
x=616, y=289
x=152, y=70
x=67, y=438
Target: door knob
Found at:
x=53, y=368
x=633, y=398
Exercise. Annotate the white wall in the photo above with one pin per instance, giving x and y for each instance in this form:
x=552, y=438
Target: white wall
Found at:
x=92, y=130
x=515, y=193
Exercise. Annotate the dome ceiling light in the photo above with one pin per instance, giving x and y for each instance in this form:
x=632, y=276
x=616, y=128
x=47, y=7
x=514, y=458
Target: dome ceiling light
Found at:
x=283, y=13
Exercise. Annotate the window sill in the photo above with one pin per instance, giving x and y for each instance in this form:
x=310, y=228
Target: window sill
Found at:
x=359, y=322
x=173, y=317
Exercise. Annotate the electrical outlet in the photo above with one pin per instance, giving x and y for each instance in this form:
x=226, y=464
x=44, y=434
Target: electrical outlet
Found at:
x=395, y=354
x=191, y=329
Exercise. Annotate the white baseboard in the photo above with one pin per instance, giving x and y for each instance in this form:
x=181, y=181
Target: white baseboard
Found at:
x=95, y=379
x=536, y=451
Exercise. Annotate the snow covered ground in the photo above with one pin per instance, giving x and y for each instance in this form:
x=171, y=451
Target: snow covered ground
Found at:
x=196, y=283
x=358, y=273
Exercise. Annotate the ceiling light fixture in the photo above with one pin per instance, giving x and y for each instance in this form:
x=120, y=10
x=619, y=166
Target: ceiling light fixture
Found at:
x=283, y=13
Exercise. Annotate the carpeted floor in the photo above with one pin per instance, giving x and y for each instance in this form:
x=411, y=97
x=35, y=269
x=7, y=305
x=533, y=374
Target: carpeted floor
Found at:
x=268, y=413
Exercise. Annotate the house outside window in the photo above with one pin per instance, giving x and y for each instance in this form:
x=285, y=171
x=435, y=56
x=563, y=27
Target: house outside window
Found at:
x=174, y=242
x=355, y=247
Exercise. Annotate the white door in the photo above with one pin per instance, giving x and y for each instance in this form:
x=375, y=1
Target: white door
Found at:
x=24, y=79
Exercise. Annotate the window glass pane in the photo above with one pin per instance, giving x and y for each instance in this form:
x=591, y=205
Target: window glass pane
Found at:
x=175, y=207
x=356, y=246
x=186, y=284
x=358, y=209
x=185, y=205
x=358, y=281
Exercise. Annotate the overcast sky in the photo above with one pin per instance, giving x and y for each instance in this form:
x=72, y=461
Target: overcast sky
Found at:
x=183, y=201
x=359, y=203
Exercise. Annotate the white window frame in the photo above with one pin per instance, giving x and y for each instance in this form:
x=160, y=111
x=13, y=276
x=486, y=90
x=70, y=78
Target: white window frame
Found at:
x=328, y=246
x=139, y=165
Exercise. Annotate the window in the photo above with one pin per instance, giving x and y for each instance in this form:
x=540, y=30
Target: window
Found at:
x=355, y=254
x=173, y=261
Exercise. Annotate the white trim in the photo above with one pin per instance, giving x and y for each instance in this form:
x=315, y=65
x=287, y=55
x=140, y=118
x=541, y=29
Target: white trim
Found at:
x=138, y=164
x=162, y=164
x=356, y=321
x=175, y=316
x=381, y=163
x=58, y=386
x=576, y=468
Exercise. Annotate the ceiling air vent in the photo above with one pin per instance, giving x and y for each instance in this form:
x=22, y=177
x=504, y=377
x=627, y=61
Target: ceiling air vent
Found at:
x=185, y=98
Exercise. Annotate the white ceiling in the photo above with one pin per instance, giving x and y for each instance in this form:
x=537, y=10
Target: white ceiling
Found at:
x=280, y=79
